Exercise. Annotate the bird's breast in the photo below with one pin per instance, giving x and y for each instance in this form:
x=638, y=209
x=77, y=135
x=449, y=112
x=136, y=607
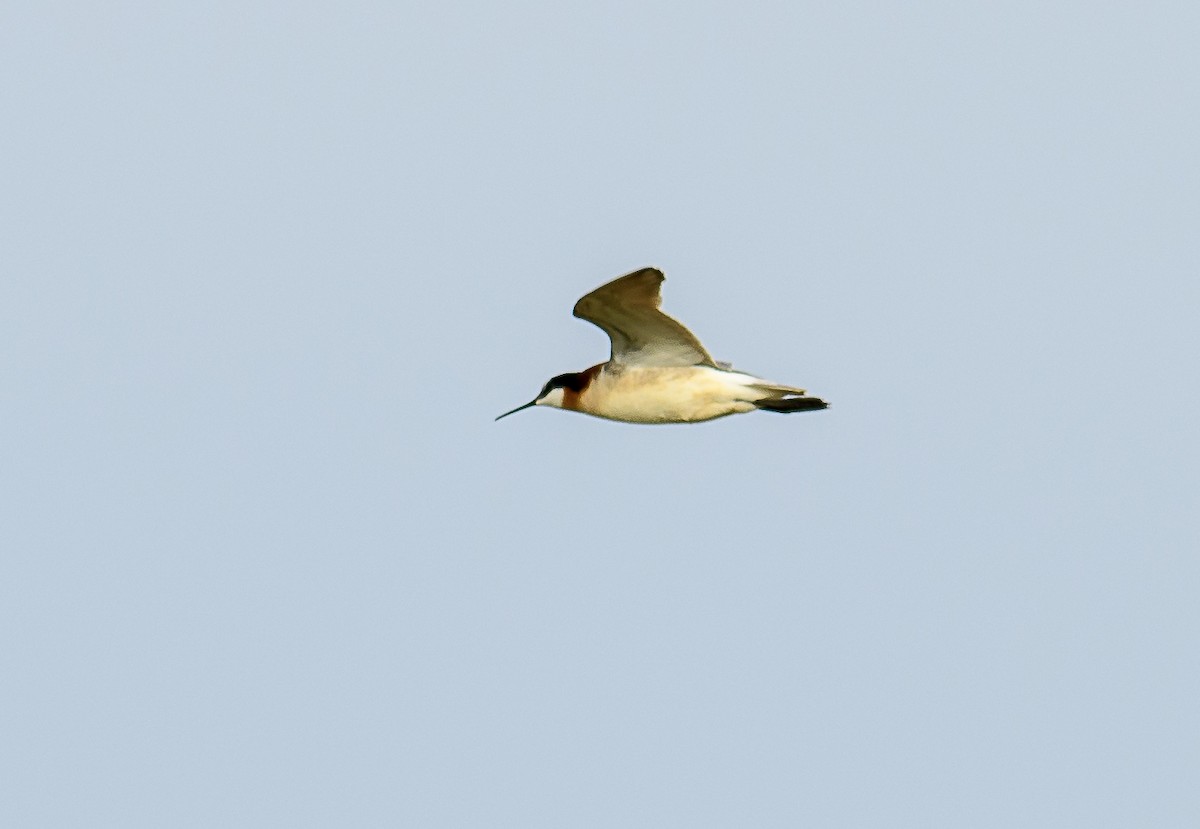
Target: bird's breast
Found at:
x=683, y=394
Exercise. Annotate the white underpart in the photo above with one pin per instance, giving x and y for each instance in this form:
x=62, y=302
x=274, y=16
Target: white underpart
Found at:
x=686, y=394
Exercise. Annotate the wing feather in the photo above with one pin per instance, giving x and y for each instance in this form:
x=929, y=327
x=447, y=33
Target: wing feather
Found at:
x=627, y=309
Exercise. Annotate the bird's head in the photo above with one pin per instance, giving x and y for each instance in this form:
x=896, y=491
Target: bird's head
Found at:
x=555, y=392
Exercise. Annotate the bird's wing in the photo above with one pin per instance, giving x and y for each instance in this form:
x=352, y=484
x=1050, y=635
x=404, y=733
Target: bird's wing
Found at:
x=627, y=310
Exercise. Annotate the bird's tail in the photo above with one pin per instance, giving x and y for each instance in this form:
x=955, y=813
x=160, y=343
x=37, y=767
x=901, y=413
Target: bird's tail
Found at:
x=791, y=404
x=777, y=398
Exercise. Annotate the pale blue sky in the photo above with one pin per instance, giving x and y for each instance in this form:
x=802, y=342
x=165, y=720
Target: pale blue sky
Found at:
x=270, y=270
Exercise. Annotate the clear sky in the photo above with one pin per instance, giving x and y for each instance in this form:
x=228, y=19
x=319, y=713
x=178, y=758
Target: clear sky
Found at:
x=269, y=270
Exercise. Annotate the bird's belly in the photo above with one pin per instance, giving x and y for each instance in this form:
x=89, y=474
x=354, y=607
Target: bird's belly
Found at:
x=673, y=395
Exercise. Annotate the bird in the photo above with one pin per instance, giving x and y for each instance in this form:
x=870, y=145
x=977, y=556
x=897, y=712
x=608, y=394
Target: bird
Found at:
x=657, y=372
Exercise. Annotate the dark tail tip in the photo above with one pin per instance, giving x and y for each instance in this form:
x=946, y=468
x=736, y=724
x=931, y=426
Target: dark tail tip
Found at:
x=792, y=404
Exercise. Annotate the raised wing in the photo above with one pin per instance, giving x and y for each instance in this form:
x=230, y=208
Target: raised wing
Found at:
x=627, y=310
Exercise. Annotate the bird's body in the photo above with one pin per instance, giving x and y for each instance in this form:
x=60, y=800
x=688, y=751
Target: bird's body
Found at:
x=665, y=394
x=658, y=372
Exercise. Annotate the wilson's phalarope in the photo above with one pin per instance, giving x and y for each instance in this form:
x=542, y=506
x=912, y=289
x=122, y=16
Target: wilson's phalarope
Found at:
x=658, y=372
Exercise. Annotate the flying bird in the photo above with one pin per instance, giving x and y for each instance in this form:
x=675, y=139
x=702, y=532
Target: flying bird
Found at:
x=658, y=371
